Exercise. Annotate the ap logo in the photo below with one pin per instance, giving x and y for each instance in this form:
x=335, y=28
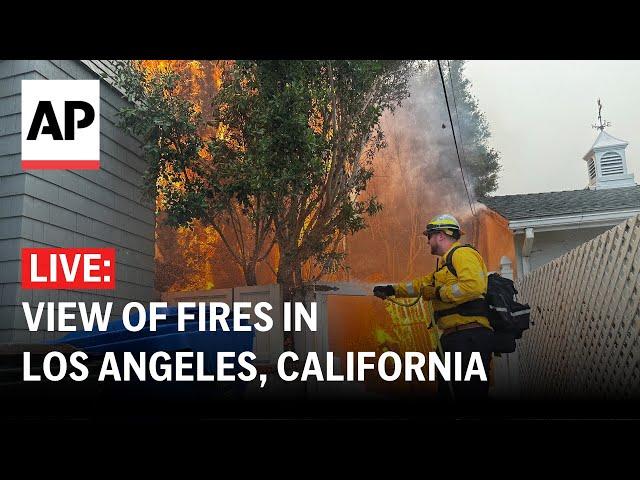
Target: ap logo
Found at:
x=61, y=124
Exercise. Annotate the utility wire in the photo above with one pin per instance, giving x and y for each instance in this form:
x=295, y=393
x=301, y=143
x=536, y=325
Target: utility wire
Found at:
x=455, y=141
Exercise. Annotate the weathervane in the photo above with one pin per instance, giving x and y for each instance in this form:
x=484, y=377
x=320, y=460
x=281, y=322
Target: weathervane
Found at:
x=602, y=124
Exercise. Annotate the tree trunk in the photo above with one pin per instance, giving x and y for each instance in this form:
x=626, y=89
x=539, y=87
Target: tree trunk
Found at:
x=285, y=272
x=286, y=278
x=250, y=274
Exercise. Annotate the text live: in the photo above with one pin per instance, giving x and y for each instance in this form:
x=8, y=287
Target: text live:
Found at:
x=69, y=268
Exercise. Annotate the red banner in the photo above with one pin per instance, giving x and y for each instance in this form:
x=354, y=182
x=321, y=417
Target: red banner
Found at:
x=69, y=268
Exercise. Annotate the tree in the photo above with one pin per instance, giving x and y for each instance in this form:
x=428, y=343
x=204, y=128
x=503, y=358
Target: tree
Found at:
x=309, y=131
x=481, y=162
x=292, y=151
x=172, y=126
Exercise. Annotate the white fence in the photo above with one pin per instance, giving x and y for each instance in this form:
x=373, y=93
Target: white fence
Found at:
x=267, y=345
x=585, y=309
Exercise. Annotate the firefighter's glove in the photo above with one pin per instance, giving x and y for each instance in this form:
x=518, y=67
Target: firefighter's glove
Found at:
x=429, y=292
x=384, y=291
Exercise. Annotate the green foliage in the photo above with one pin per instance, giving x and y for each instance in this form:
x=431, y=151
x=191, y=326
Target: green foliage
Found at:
x=310, y=130
x=167, y=125
x=291, y=154
x=481, y=163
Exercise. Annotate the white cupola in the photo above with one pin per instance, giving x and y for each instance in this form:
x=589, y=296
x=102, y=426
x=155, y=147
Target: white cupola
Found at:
x=607, y=163
x=606, y=160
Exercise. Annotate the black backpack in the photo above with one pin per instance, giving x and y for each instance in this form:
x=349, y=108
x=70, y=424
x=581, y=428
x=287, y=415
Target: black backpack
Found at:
x=506, y=315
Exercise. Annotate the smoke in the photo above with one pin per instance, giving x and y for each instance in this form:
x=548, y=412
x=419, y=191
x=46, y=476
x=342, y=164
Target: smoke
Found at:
x=417, y=176
x=416, y=130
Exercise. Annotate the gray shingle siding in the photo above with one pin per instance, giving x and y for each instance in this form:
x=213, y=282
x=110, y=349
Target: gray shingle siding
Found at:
x=570, y=202
x=62, y=208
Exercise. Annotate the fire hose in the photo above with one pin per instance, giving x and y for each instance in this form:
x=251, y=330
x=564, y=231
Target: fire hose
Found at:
x=403, y=304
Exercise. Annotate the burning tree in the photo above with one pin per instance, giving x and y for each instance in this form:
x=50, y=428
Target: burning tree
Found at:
x=289, y=151
x=418, y=175
x=168, y=112
x=185, y=257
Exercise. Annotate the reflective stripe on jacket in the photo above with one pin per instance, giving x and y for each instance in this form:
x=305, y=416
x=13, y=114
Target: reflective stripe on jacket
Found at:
x=469, y=284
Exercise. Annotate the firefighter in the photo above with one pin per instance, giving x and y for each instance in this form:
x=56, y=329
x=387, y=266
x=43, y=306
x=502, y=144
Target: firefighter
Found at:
x=457, y=292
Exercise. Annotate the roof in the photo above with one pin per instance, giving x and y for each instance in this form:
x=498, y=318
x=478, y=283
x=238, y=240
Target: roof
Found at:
x=605, y=140
x=569, y=202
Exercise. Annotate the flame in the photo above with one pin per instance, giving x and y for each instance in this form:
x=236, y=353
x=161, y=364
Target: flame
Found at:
x=191, y=258
x=185, y=257
x=413, y=180
x=222, y=131
x=366, y=324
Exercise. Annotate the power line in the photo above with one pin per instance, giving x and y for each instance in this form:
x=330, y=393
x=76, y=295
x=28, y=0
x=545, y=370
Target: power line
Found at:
x=455, y=141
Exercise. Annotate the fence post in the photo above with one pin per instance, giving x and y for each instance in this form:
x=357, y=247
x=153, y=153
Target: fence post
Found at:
x=506, y=269
x=507, y=368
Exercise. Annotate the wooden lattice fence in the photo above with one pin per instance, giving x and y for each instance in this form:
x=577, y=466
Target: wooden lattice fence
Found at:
x=585, y=337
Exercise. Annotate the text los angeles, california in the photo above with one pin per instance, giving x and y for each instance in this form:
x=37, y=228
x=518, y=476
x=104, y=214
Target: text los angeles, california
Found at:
x=229, y=366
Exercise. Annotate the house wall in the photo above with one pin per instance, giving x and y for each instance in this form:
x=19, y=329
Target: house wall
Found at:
x=550, y=245
x=63, y=208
